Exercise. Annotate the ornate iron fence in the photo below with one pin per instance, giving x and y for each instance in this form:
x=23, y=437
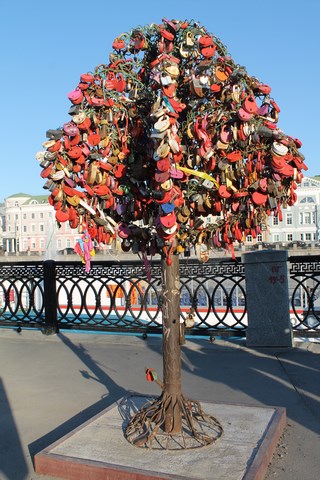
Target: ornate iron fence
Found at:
x=120, y=297
x=125, y=297
x=22, y=294
x=304, y=291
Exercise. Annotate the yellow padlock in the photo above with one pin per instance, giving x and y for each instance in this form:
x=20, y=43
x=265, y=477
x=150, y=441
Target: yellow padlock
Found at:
x=196, y=173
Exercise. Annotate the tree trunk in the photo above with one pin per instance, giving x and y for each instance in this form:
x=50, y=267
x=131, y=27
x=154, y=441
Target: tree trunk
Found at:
x=171, y=344
x=182, y=422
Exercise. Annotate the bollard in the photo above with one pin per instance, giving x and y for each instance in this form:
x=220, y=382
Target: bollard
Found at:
x=268, y=305
x=50, y=297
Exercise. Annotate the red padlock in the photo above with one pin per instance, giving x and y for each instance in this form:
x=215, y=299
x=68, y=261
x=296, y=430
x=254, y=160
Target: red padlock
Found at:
x=250, y=104
x=149, y=375
x=94, y=138
x=119, y=44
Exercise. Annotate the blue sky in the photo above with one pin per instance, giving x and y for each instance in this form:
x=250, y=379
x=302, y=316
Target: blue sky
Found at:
x=45, y=46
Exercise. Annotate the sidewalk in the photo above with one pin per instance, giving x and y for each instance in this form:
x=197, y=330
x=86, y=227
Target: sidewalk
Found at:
x=50, y=385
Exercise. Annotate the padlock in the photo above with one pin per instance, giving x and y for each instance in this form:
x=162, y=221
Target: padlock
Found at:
x=150, y=375
x=49, y=185
x=45, y=163
x=182, y=338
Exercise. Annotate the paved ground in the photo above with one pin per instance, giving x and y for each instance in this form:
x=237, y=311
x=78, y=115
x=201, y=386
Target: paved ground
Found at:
x=50, y=385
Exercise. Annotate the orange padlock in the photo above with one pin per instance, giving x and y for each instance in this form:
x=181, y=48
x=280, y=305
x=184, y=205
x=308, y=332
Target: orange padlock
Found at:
x=149, y=376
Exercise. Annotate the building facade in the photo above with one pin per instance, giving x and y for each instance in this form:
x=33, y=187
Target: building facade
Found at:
x=2, y=224
x=30, y=226
x=301, y=221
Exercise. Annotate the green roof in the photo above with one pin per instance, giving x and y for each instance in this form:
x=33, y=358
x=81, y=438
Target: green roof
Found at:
x=38, y=198
x=29, y=198
x=19, y=195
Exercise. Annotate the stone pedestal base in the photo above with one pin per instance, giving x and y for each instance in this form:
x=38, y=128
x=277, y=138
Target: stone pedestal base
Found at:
x=98, y=449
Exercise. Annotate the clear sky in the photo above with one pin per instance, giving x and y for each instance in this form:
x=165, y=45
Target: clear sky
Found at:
x=46, y=45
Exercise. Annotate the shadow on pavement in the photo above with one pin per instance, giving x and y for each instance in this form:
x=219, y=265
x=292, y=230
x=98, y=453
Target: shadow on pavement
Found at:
x=14, y=466
x=114, y=393
x=271, y=377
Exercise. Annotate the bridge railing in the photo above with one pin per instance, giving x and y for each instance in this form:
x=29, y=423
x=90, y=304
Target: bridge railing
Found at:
x=124, y=297
x=304, y=293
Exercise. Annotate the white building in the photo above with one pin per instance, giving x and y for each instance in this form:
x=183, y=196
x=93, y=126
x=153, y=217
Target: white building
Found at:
x=2, y=224
x=30, y=226
x=300, y=222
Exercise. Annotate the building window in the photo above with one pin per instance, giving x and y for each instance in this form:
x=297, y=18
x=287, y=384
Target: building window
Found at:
x=308, y=200
x=24, y=228
x=16, y=204
x=308, y=236
x=41, y=214
x=59, y=244
x=33, y=244
x=301, y=236
x=41, y=227
x=24, y=216
x=68, y=243
x=289, y=237
x=301, y=218
x=249, y=238
x=276, y=237
x=289, y=218
x=33, y=228
x=32, y=216
x=306, y=218
x=275, y=221
x=42, y=243
x=25, y=245
x=259, y=237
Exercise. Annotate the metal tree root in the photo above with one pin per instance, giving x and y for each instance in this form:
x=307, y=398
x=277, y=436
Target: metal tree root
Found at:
x=146, y=427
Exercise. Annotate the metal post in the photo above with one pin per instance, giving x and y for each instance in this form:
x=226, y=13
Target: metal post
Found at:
x=50, y=297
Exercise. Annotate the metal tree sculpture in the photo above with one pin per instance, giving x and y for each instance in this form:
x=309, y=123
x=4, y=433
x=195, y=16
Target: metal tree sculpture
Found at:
x=171, y=146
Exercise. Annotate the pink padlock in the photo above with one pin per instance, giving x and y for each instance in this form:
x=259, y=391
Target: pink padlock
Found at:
x=71, y=129
x=226, y=134
x=97, y=102
x=175, y=172
x=123, y=230
x=76, y=96
x=243, y=115
x=264, y=109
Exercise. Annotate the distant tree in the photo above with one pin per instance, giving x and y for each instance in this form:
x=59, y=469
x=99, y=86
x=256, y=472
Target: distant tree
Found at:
x=171, y=147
